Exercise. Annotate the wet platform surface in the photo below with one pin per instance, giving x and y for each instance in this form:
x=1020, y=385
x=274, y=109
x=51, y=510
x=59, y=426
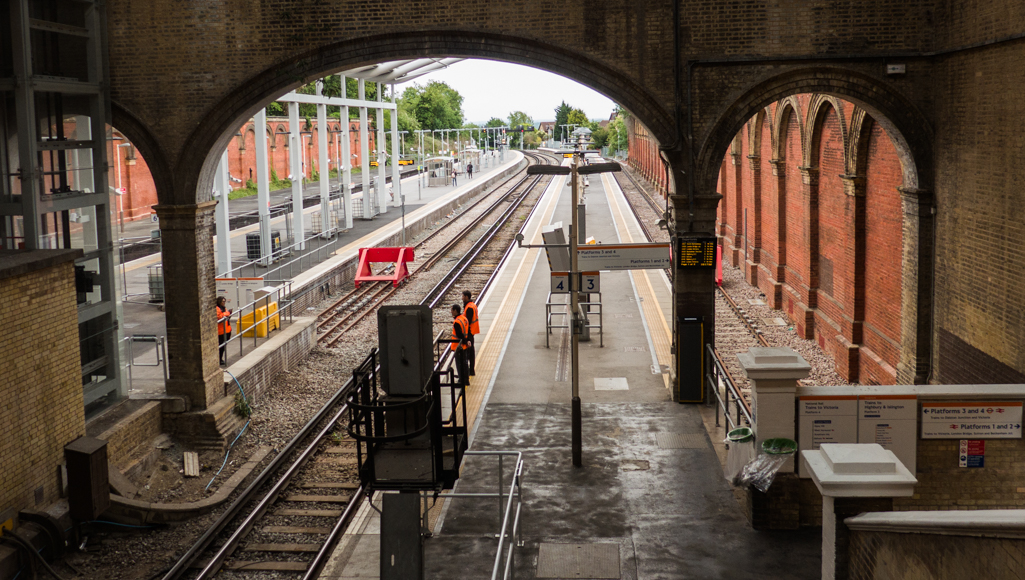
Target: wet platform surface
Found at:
x=650, y=500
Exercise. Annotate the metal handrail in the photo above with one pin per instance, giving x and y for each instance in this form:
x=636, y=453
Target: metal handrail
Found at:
x=284, y=311
x=716, y=377
x=504, y=558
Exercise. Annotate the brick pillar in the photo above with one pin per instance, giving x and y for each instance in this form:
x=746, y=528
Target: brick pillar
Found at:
x=739, y=242
x=753, y=249
x=853, y=276
x=779, y=276
x=915, y=364
x=808, y=289
x=189, y=293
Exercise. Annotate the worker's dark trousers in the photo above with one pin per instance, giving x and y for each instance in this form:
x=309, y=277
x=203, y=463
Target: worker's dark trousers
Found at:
x=222, y=339
x=462, y=369
x=471, y=358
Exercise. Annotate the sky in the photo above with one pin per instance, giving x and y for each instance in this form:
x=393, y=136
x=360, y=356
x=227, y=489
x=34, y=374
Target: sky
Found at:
x=495, y=89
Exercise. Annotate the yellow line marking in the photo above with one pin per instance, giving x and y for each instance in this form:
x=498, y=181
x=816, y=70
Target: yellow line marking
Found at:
x=491, y=347
x=657, y=328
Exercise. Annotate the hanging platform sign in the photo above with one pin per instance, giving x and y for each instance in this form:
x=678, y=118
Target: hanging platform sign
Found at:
x=623, y=257
x=971, y=419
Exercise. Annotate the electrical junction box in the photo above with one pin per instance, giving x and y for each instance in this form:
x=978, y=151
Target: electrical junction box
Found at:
x=88, y=483
x=406, y=348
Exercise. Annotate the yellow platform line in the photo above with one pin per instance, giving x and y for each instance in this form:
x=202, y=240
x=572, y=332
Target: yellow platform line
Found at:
x=657, y=328
x=490, y=348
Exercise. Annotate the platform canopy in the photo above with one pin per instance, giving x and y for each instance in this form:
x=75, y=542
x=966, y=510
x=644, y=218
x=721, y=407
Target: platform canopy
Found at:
x=399, y=71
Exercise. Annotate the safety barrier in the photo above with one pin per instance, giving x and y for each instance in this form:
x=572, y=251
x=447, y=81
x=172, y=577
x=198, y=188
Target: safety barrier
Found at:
x=720, y=384
x=588, y=307
x=161, y=352
x=260, y=317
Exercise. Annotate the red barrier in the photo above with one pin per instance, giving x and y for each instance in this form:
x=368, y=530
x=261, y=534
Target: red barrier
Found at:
x=396, y=256
x=718, y=265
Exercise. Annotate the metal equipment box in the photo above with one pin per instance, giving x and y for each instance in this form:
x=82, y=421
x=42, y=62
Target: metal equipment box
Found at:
x=88, y=483
x=406, y=347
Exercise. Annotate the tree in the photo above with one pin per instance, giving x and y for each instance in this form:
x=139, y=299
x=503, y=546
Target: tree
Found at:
x=517, y=118
x=435, y=106
x=599, y=137
x=579, y=118
x=491, y=136
x=561, y=117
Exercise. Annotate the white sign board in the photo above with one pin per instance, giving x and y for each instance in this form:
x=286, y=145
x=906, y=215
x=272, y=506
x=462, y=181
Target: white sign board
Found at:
x=891, y=421
x=623, y=257
x=971, y=420
x=238, y=292
x=826, y=419
x=589, y=282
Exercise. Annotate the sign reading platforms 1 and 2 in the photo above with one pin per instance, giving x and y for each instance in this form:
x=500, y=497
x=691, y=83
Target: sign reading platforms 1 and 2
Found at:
x=971, y=420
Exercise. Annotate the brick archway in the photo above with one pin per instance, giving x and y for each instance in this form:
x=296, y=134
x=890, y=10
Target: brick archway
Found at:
x=194, y=166
x=906, y=125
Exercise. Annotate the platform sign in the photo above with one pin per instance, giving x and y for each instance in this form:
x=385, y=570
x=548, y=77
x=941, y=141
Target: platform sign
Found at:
x=623, y=257
x=589, y=282
x=826, y=419
x=891, y=421
x=972, y=453
x=696, y=252
x=978, y=420
x=238, y=292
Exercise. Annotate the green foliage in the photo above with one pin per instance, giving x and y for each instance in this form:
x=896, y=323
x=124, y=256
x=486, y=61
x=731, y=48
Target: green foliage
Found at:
x=517, y=118
x=434, y=106
x=618, y=139
x=561, y=117
x=578, y=117
x=599, y=137
x=242, y=406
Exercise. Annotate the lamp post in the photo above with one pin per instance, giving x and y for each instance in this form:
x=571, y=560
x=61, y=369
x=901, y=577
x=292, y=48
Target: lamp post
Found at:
x=577, y=324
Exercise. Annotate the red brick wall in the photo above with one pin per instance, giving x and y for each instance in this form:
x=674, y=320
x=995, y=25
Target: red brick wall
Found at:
x=824, y=241
x=883, y=232
x=643, y=154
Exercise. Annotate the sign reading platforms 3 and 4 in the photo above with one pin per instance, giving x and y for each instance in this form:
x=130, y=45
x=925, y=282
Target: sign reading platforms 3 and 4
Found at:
x=589, y=282
x=971, y=420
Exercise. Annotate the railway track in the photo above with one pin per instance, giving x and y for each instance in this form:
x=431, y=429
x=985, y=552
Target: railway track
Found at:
x=355, y=306
x=291, y=516
x=735, y=331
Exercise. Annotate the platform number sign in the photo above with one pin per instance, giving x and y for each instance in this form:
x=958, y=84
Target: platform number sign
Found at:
x=590, y=282
x=560, y=282
x=695, y=252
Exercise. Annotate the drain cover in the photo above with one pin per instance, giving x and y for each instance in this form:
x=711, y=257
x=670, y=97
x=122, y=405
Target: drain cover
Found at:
x=578, y=561
x=774, y=322
x=681, y=440
x=756, y=301
x=633, y=349
x=611, y=384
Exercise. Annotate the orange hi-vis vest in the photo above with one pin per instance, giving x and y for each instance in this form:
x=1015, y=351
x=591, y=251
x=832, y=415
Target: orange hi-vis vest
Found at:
x=471, y=316
x=223, y=321
x=465, y=327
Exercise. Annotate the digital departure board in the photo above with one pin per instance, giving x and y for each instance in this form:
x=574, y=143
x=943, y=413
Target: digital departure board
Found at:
x=695, y=252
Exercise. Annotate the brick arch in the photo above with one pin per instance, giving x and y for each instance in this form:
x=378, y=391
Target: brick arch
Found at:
x=148, y=147
x=903, y=121
x=755, y=126
x=818, y=109
x=196, y=164
x=788, y=107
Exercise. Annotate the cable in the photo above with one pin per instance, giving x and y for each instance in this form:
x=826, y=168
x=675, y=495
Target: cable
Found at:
x=12, y=536
x=117, y=524
x=228, y=452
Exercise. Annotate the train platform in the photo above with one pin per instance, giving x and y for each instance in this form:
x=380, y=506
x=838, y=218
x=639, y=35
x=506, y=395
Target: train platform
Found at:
x=650, y=500
x=143, y=314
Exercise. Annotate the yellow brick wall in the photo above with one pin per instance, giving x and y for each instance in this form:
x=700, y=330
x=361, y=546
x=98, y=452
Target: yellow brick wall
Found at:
x=41, y=406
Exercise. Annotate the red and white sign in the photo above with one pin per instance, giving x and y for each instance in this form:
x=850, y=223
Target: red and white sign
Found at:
x=970, y=419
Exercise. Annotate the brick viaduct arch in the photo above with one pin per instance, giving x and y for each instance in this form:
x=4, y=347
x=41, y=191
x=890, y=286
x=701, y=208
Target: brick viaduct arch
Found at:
x=236, y=61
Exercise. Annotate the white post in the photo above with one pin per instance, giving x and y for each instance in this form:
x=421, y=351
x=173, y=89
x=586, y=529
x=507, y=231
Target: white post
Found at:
x=223, y=188
x=396, y=184
x=325, y=167
x=774, y=373
x=346, y=161
x=263, y=185
x=364, y=151
x=381, y=146
x=296, y=168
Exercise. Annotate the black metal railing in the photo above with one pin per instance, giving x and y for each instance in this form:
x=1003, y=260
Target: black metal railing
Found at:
x=728, y=398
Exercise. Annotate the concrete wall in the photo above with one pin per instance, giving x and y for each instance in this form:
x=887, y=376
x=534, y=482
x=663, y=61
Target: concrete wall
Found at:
x=41, y=406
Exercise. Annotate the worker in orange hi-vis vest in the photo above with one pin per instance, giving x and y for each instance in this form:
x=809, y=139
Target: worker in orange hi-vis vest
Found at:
x=470, y=311
x=460, y=344
x=223, y=326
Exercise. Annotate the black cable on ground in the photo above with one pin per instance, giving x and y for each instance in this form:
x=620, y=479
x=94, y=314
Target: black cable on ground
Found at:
x=12, y=536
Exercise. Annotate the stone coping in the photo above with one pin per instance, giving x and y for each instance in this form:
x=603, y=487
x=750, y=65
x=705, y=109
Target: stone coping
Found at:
x=131, y=511
x=922, y=391
x=255, y=356
x=15, y=263
x=979, y=523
